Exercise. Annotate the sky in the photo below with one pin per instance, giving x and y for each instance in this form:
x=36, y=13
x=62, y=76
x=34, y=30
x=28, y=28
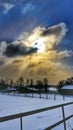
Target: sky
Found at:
x=36, y=39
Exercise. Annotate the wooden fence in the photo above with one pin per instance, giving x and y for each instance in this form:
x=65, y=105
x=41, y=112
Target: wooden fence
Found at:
x=37, y=95
x=21, y=115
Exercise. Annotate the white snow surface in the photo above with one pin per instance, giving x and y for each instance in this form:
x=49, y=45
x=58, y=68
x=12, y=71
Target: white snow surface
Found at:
x=67, y=87
x=17, y=104
x=53, y=89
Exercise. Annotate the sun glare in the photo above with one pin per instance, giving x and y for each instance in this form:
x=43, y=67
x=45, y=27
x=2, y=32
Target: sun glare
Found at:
x=39, y=44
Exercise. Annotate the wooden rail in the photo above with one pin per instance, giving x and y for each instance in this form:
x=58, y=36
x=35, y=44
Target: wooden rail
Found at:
x=33, y=95
x=20, y=115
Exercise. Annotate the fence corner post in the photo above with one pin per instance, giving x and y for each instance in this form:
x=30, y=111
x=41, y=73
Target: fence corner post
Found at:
x=63, y=113
x=21, y=126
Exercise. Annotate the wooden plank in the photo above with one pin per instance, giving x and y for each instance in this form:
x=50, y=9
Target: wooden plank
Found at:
x=21, y=125
x=58, y=123
x=10, y=117
x=63, y=113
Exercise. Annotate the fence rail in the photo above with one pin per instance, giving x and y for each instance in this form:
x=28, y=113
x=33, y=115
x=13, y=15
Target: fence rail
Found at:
x=59, y=122
x=20, y=115
x=37, y=95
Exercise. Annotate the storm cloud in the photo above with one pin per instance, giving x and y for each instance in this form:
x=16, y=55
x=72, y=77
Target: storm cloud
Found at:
x=24, y=56
x=18, y=50
x=59, y=31
x=36, y=37
x=56, y=29
x=46, y=38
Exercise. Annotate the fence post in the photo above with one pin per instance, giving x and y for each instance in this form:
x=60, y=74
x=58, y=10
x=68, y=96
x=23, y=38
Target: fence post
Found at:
x=32, y=92
x=63, y=113
x=63, y=97
x=39, y=94
x=21, y=128
x=54, y=96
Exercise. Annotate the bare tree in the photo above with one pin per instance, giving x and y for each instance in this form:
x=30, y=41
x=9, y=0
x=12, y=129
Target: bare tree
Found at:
x=45, y=82
x=39, y=85
x=21, y=81
x=27, y=82
x=32, y=85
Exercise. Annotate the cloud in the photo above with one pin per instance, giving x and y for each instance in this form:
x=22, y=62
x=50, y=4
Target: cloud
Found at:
x=28, y=7
x=3, y=46
x=17, y=61
x=58, y=30
x=1, y=62
x=55, y=55
x=13, y=50
x=25, y=7
x=54, y=34
x=39, y=40
x=50, y=36
x=7, y=7
x=38, y=67
x=25, y=59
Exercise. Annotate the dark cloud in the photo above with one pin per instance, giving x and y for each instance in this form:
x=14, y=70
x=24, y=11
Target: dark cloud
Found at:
x=31, y=51
x=49, y=31
x=17, y=50
x=13, y=50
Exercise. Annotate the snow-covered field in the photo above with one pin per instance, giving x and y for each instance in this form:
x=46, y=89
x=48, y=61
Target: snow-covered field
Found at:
x=17, y=104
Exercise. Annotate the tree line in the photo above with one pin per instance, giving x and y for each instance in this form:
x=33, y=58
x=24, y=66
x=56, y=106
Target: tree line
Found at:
x=68, y=81
x=27, y=85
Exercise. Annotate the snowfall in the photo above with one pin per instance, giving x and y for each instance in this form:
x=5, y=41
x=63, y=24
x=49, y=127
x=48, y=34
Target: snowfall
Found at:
x=14, y=104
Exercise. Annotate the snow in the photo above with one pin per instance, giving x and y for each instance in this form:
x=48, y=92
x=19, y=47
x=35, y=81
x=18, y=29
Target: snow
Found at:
x=53, y=89
x=10, y=89
x=67, y=87
x=17, y=104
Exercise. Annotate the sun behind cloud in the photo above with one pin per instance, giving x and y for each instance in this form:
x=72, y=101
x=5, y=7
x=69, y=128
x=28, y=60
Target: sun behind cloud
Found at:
x=33, y=56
